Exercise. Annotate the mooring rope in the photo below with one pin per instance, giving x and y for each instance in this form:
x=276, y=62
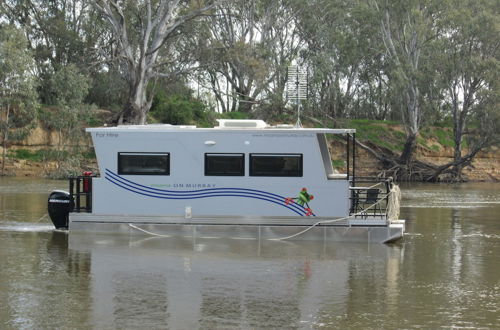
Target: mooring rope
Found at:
x=45, y=215
x=394, y=203
x=147, y=232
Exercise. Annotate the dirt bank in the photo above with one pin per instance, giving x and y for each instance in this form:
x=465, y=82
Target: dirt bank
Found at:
x=485, y=166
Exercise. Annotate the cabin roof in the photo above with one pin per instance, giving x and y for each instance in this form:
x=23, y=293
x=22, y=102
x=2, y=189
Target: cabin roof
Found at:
x=225, y=125
x=159, y=129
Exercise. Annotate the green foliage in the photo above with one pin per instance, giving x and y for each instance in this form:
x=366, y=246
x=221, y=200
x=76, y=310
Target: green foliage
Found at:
x=18, y=99
x=108, y=90
x=89, y=154
x=338, y=163
x=421, y=141
x=67, y=87
x=179, y=110
x=24, y=154
x=233, y=115
x=444, y=137
x=379, y=133
x=39, y=155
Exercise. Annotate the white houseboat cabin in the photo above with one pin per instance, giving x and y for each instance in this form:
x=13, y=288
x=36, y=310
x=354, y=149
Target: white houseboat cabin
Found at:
x=241, y=179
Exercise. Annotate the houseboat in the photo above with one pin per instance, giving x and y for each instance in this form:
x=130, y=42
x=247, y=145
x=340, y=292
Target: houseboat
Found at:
x=241, y=179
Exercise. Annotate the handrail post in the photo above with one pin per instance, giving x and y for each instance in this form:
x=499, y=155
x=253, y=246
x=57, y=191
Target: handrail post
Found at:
x=347, y=152
x=71, y=188
x=78, y=194
x=354, y=159
x=88, y=196
x=388, y=185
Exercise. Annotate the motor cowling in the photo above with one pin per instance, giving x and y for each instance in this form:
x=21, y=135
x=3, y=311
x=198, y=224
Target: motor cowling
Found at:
x=60, y=204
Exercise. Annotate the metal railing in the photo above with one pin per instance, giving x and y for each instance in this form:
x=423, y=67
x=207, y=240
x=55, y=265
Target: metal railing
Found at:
x=369, y=197
x=80, y=189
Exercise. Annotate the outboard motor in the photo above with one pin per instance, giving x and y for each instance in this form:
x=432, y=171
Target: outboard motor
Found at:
x=59, y=205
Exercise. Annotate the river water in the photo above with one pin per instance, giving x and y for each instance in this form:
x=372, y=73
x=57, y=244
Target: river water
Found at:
x=445, y=273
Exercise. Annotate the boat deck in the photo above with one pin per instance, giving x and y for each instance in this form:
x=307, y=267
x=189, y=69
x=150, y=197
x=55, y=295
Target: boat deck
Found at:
x=241, y=221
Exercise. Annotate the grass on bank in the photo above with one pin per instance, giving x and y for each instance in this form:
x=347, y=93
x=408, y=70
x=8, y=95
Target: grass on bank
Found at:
x=42, y=155
x=391, y=135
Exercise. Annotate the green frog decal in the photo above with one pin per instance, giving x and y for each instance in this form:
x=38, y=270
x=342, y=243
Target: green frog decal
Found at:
x=303, y=200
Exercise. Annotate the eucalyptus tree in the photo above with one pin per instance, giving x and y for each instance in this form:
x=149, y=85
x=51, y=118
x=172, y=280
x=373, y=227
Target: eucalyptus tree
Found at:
x=344, y=57
x=59, y=33
x=408, y=30
x=247, y=47
x=322, y=26
x=18, y=98
x=470, y=73
x=141, y=39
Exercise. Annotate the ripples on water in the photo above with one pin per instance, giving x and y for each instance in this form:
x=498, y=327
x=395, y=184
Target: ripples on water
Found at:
x=460, y=196
x=443, y=274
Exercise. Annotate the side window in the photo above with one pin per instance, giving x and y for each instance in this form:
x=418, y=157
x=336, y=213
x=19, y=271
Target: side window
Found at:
x=276, y=165
x=224, y=164
x=144, y=163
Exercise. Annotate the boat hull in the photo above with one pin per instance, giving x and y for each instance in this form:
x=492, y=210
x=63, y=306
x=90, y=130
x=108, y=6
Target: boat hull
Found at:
x=371, y=231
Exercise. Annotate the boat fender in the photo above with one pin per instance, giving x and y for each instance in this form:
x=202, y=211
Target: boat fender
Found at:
x=86, y=181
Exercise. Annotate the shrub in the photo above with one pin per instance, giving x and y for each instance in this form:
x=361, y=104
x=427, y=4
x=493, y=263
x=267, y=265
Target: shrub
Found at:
x=178, y=109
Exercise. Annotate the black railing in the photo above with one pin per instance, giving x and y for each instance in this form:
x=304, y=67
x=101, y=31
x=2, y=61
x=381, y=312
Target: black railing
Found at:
x=80, y=189
x=370, y=197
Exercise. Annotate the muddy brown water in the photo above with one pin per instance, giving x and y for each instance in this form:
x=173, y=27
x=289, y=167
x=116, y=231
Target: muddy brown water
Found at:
x=445, y=273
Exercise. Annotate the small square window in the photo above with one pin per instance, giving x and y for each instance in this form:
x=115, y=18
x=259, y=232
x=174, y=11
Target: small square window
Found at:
x=276, y=165
x=134, y=163
x=224, y=164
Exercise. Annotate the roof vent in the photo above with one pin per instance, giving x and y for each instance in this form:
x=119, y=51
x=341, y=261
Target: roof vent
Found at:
x=241, y=123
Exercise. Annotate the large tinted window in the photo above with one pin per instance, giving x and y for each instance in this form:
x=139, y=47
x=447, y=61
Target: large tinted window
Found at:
x=144, y=163
x=276, y=164
x=224, y=164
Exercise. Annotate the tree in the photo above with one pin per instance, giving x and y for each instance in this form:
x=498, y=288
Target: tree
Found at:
x=343, y=56
x=407, y=29
x=67, y=89
x=18, y=98
x=59, y=33
x=470, y=73
x=138, y=31
x=246, y=49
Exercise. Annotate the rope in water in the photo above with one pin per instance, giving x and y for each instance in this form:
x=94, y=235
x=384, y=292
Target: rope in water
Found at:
x=147, y=232
x=45, y=215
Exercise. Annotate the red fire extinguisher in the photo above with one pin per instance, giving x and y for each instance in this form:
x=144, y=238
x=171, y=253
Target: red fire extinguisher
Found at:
x=86, y=181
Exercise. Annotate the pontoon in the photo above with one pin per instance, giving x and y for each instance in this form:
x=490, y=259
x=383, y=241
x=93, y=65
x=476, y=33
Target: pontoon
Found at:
x=241, y=179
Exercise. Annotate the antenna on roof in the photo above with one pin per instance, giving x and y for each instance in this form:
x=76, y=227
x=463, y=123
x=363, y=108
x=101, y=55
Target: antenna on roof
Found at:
x=297, y=88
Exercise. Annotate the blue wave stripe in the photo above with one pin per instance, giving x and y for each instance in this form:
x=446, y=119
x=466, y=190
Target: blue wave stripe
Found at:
x=191, y=191
x=204, y=196
x=208, y=192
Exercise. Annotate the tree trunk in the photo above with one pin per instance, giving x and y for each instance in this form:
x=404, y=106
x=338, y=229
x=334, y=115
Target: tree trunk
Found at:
x=5, y=138
x=137, y=106
x=409, y=149
x=457, y=155
x=133, y=113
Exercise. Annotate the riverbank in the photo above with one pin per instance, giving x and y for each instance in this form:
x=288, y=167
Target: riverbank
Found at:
x=42, y=153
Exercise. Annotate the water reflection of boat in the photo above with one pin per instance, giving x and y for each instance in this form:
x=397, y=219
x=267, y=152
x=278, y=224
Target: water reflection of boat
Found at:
x=242, y=179
x=219, y=283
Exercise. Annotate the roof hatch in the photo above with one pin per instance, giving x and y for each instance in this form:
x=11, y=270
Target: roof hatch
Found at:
x=241, y=123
